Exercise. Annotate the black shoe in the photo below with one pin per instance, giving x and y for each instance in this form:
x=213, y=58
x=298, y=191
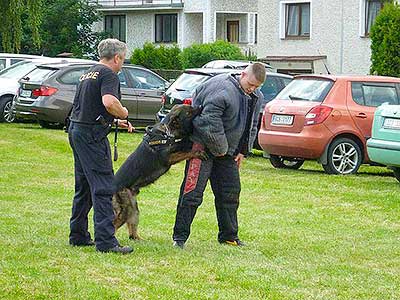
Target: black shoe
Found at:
x=119, y=249
x=83, y=244
x=179, y=244
x=236, y=242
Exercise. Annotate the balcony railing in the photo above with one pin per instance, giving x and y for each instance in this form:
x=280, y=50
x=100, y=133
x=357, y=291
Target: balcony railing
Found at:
x=139, y=3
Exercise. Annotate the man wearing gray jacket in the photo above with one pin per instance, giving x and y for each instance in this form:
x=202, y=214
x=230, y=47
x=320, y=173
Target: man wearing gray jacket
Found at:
x=225, y=129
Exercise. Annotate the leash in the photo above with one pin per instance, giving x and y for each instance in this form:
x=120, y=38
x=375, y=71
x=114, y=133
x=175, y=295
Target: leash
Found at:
x=116, y=141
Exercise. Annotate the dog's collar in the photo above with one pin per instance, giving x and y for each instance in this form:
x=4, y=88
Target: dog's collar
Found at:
x=160, y=137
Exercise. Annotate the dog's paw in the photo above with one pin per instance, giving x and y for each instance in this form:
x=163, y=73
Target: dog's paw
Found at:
x=202, y=155
x=135, y=237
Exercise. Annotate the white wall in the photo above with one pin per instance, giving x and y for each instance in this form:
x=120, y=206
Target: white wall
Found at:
x=346, y=51
x=192, y=29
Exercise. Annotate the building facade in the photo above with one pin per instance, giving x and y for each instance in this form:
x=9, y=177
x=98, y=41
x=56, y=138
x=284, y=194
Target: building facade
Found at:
x=181, y=22
x=314, y=36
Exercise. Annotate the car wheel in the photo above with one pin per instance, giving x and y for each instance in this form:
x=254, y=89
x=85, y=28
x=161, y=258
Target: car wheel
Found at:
x=344, y=157
x=50, y=125
x=6, y=114
x=283, y=163
x=396, y=172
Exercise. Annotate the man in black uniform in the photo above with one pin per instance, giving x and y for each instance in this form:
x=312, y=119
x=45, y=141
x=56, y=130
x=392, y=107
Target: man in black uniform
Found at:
x=224, y=129
x=95, y=106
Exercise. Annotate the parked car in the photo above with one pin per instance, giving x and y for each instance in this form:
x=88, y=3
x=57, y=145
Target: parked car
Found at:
x=326, y=118
x=8, y=59
x=46, y=94
x=181, y=91
x=384, y=145
x=232, y=64
x=9, y=83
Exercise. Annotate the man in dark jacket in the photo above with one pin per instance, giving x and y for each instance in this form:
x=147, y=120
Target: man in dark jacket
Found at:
x=229, y=117
x=96, y=104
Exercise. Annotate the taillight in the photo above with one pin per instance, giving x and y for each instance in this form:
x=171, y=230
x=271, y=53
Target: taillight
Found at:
x=163, y=99
x=44, y=91
x=317, y=115
x=187, y=101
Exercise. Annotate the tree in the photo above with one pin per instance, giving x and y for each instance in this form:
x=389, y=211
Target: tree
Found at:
x=11, y=29
x=67, y=27
x=385, y=42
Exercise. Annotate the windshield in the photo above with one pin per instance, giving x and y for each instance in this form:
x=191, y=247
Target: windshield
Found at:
x=306, y=89
x=17, y=70
x=189, y=81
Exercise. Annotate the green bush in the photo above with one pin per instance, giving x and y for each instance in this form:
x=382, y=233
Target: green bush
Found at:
x=198, y=54
x=385, y=42
x=160, y=57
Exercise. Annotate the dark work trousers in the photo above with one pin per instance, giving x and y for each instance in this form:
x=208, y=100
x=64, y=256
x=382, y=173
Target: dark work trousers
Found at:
x=223, y=174
x=93, y=185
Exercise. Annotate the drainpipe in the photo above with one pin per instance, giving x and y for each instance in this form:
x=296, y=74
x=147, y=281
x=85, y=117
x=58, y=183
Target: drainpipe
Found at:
x=342, y=39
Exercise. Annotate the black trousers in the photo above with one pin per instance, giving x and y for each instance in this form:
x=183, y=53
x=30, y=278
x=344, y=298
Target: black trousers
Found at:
x=223, y=174
x=93, y=185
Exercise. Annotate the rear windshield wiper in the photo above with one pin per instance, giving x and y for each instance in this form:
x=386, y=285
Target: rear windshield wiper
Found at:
x=180, y=90
x=296, y=98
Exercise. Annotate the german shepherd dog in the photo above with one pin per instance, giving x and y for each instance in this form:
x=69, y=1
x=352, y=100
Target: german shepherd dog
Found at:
x=163, y=145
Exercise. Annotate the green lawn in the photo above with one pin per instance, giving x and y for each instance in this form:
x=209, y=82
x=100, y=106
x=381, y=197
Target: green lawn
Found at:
x=309, y=235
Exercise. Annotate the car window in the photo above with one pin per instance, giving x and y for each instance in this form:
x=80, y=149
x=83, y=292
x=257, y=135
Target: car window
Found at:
x=270, y=88
x=72, y=76
x=2, y=64
x=306, y=89
x=39, y=74
x=122, y=79
x=189, y=81
x=18, y=70
x=286, y=81
x=15, y=60
x=147, y=80
x=373, y=94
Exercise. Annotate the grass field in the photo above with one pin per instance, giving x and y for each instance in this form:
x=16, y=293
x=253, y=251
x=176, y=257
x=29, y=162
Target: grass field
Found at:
x=309, y=235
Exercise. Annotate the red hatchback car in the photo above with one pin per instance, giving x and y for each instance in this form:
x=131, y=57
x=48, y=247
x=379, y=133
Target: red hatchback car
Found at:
x=325, y=118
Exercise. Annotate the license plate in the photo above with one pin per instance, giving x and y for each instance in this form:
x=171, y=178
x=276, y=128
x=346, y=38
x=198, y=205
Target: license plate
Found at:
x=282, y=120
x=25, y=93
x=391, y=123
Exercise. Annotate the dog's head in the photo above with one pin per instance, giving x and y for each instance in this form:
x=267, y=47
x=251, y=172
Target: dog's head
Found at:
x=179, y=119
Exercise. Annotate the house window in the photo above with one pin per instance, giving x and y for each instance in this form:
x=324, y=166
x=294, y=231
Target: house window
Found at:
x=116, y=25
x=166, y=28
x=298, y=20
x=232, y=31
x=372, y=9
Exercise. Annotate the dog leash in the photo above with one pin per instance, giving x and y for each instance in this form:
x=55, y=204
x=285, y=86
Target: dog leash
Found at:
x=116, y=141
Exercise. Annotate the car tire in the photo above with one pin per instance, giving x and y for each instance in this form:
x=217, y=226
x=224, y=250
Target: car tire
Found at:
x=396, y=172
x=283, y=163
x=6, y=114
x=344, y=157
x=50, y=125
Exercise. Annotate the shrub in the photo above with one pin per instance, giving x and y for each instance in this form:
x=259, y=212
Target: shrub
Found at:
x=198, y=54
x=160, y=57
x=385, y=42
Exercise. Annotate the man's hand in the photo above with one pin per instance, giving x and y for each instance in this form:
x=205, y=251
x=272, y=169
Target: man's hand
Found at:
x=125, y=124
x=239, y=158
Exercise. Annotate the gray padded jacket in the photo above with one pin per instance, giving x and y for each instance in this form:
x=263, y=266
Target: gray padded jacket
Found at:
x=222, y=122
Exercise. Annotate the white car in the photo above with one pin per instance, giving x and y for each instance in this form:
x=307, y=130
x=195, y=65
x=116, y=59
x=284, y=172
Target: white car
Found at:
x=8, y=59
x=9, y=85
